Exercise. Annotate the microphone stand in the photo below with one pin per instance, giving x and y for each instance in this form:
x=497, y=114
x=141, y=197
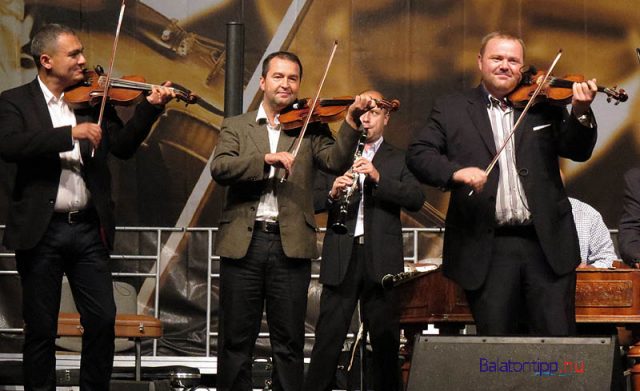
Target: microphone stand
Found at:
x=363, y=350
x=360, y=344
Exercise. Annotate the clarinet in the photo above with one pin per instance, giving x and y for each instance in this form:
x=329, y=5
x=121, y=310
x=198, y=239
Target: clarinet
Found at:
x=340, y=226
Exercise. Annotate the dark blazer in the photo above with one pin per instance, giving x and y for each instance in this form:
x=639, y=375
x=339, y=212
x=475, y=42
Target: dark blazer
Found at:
x=28, y=139
x=239, y=164
x=397, y=188
x=629, y=229
x=457, y=135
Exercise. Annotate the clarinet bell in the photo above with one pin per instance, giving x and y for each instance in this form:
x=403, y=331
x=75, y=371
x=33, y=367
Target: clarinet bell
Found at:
x=340, y=225
x=339, y=228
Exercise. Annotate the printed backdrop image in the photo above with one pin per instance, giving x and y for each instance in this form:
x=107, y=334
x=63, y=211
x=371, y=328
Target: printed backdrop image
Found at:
x=411, y=50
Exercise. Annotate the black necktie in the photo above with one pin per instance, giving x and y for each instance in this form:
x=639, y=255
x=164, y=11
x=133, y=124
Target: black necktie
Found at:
x=502, y=104
x=85, y=149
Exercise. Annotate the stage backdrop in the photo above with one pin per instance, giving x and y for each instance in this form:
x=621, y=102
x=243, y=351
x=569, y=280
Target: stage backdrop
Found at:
x=412, y=50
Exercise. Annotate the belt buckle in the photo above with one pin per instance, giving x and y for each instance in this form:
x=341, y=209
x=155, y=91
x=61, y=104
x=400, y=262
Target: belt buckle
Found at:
x=271, y=227
x=360, y=239
x=70, y=216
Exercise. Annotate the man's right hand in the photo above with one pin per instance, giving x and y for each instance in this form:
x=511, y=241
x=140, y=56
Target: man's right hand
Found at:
x=280, y=160
x=89, y=131
x=471, y=176
x=340, y=185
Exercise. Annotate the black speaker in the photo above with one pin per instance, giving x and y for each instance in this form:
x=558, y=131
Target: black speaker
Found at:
x=511, y=363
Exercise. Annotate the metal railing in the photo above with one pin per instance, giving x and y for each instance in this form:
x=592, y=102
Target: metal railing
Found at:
x=412, y=237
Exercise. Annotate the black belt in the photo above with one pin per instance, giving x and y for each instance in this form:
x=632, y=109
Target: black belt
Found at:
x=515, y=230
x=76, y=216
x=267, y=226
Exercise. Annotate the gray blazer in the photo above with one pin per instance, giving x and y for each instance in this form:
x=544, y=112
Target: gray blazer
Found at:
x=239, y=164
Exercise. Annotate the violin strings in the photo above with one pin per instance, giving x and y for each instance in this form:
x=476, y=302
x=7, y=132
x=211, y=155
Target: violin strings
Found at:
x=122, y=83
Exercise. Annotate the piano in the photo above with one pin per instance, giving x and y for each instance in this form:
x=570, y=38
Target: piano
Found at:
x=603, y=296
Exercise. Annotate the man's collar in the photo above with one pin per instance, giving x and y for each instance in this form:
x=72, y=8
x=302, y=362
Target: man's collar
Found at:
x=375, y=145
x=491, y=100
x=48, y=95
x=262, y=118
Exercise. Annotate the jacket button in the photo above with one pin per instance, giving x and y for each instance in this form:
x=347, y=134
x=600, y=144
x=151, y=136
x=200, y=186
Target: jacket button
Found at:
x=51, y=202
x=249, y=229
x=523, y=172
x=253, y=208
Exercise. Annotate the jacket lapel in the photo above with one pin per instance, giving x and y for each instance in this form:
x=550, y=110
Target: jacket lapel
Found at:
x=521, y=129
x=477, y=110
x=380, y=154
x=41, y=109
x=260, y=137
x=287, y=140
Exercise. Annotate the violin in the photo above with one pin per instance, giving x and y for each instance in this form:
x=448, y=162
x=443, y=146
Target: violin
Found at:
x=124, y=91
x=325, y=111
x=556, y=91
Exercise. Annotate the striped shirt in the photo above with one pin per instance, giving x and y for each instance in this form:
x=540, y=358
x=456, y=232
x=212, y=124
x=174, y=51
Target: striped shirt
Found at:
x=511, y=202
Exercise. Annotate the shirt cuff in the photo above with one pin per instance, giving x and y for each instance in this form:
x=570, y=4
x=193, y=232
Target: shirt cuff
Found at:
x=586, y=120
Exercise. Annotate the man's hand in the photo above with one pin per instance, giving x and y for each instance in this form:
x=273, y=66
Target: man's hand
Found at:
x=89, y=131
x=471, y=176
x=360, y=105
x=340, y=185
x=161, y=95
x=364, y=166
x=583, y=94
x=280, y=160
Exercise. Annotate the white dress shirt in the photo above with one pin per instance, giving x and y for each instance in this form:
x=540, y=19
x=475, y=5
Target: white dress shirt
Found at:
x=268, y=206
x=72, y=190
x=368, y=153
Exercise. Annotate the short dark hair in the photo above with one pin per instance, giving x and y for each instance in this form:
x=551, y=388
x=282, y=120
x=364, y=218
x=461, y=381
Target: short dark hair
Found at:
x=46, y=38
x=283, y=55
x=502, y=35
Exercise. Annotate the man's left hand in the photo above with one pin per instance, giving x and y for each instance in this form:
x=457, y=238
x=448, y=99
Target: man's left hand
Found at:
x=364, y=166
x=583, y=95
x=161, y=95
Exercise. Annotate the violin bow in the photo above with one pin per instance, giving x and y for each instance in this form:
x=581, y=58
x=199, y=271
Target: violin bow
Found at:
x=107, y=80
x=300, y=137
x=535, y=94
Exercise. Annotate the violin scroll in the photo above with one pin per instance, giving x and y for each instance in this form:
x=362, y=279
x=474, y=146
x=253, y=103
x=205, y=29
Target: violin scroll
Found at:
x=620, y=95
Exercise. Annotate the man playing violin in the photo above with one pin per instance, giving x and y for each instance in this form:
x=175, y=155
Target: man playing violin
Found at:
x=267, y=231
x=61, y=215
x=355, y=261
x=512, y=243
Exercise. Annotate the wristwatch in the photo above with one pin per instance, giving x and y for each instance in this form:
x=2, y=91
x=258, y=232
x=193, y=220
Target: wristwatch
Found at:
x=585, y=120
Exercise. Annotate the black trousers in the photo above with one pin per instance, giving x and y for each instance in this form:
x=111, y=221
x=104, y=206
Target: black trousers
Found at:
x=522, y=294
x=381, y=319
x=77, y=251
x=264, y=275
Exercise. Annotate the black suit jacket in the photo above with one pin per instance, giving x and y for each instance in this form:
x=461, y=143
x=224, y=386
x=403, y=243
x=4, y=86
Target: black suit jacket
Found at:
x=457, y=135
x=28, y=139
x=629, y=229
x=397, y=188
